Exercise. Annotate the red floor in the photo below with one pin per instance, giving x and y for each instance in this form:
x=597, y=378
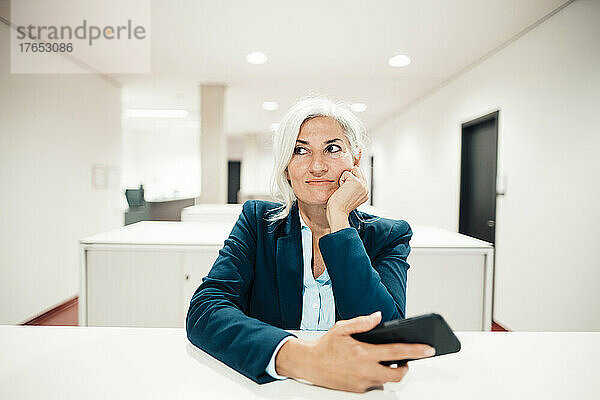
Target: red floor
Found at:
x=66, y=315
x=497, y=328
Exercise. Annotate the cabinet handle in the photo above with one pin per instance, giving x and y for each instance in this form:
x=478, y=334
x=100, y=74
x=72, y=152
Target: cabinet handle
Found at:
x=187, y=277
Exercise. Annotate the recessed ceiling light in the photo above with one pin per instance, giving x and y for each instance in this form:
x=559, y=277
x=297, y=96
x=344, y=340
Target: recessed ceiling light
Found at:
x=134, y=113
x=274, y=126
x=270, y=105
x=256, y=58
x=399, y=60
x=358, y=107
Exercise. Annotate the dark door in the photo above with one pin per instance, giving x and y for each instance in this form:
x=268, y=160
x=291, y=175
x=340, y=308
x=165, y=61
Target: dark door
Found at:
x=233, y=181
x=478, y=178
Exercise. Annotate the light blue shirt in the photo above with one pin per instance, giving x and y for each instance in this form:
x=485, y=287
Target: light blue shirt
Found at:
x=318, y=305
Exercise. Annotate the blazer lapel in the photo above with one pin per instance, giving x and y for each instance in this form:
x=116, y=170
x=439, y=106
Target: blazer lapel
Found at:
x=290, y=272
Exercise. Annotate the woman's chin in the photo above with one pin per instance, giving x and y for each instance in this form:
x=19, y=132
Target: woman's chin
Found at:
x=316, y=200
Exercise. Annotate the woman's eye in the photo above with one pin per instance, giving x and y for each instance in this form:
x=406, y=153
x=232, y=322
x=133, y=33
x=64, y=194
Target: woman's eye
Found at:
x=333, y=148
x=300, y=150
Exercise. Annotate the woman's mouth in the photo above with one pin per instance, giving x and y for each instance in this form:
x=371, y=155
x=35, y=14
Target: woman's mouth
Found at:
x=320, y=182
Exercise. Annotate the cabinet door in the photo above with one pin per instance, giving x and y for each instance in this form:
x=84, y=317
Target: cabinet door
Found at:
x=449, y=283
x=129, y=287
x=196, y=264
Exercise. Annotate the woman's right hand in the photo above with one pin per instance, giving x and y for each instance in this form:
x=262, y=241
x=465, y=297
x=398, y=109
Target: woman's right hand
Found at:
x=338, y=361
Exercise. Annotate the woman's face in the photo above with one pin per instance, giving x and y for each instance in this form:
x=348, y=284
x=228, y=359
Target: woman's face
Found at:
x=321, y=154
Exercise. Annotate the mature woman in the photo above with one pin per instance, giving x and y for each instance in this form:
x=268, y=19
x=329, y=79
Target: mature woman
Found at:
x=311, y=261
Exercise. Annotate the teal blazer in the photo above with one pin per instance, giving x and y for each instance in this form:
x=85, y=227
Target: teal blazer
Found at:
x=253, y=291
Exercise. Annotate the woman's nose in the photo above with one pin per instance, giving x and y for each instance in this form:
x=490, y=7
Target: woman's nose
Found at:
x=318, y=165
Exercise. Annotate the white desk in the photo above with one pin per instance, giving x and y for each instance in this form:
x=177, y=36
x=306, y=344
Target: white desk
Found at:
x=123, y=270
x=159, y=363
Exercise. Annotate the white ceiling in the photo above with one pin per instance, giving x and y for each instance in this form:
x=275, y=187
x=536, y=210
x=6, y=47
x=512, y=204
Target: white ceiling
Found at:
x=335, y=48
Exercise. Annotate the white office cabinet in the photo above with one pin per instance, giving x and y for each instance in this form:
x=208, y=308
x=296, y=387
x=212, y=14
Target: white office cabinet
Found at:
x=145, y=274
x=129, y=287
x=451, y=275
x=143, y=287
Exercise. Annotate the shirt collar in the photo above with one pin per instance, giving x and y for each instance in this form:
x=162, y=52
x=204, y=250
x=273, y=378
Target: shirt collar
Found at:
x=302, y=223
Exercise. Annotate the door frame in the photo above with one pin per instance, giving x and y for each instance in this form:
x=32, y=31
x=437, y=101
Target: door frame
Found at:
x=490, y=284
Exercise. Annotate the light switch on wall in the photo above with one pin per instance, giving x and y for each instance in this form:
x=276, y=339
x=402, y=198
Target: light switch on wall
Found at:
x=501, y=185
x=99, y=176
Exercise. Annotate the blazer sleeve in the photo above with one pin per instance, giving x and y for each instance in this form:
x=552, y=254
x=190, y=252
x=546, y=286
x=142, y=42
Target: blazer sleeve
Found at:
x=216, y=319
x=360, y=286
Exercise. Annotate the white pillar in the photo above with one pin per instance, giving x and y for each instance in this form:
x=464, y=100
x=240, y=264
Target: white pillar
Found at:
x=213, y=145
x=257, y=166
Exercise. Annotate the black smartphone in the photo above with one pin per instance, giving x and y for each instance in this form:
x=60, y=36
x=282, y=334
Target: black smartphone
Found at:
x=429, y=329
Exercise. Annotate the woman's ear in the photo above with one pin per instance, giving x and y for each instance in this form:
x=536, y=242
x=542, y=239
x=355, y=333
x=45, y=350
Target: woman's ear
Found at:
x=287, y=175
x=357, y=162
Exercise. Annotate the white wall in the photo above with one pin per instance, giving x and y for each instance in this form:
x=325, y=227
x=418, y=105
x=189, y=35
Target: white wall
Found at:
x=546, y=85
x=53, y=128
x=164, y=156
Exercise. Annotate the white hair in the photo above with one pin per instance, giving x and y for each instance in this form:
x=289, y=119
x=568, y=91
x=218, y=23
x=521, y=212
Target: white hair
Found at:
x=284, y=141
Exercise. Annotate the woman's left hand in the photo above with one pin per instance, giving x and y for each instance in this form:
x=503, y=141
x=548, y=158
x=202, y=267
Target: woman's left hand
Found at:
x=352, y=193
